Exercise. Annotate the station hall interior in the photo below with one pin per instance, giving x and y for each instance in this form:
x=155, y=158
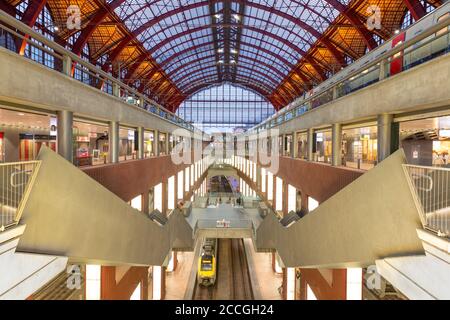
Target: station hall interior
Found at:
x=224, y=150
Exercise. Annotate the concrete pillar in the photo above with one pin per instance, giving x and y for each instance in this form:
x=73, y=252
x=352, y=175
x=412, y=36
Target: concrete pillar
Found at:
x=384, y=136
x=165, y=197
x=167, y=143
x=114, y=142
x=145, y=203
x=383, y=69
x=67, y=66
x=336, y=158
x=116, y=89
x=310, y=144
x=65, y=134
x=295, y=145
x=156, y=140
x=140, y=142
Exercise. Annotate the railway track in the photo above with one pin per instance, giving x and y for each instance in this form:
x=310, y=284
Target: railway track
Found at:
x=233, y=279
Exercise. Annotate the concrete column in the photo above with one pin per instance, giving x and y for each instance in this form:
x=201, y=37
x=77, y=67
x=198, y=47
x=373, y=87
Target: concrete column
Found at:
x=114, y=142
x=284, y=145
x=156, y=145
x=67, y=66
x=116, y=89
x=383, y=69
x=145, y=203
x=167, y=143
x=310, y=144
x=295, y=147
x=65, y=134
x=140, y=143
x=336, y=159
x=384, y=136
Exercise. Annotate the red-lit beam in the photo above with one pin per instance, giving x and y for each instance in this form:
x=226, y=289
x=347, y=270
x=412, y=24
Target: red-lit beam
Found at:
x=29, y=18
x=416, y=8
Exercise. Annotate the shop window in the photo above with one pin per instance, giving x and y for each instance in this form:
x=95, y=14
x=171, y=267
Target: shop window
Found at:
x=127, y=146
x=359, y=148
x=302, y=141
x=91, y=144
x=148, y=144
x=426, y=142
x=323, y=146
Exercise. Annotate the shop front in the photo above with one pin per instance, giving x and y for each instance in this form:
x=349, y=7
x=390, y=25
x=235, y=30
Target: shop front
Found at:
x=359, y=147
x=323, y=146
x=426, y=141
x=91, y=146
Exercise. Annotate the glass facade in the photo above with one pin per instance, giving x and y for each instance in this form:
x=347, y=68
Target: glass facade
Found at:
x=359, y=147
x=225, y=108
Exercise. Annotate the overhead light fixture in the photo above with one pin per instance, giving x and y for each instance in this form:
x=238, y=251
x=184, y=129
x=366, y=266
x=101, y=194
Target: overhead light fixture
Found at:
x=233, y=61
x=220, y=50
x=234, y=51
x=218, y=16
x=55, y=28
x=21, y=114
x=237, y=17
x=397, y=31
x=220, y=61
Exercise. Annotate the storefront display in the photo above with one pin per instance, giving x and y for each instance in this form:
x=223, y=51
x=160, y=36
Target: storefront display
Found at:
x=359, y=148
x=31, y=144
x=426, y=142
x=302, y=141
x=323, y=146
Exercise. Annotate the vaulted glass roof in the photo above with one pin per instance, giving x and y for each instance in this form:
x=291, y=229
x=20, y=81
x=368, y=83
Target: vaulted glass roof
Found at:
x=170, y=49
x=254, y=43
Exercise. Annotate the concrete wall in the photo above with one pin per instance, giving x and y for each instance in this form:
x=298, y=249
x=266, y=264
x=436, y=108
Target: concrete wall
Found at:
x=25, y=84
x=420, y=88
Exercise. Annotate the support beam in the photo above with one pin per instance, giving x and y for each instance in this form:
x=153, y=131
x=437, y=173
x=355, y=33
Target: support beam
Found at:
x=384, y=136
x=65, y=134
x=416, y=8
x=336, y=144
x=311, y=144
x=114, y=142
x=29, y=18
x=140, y=142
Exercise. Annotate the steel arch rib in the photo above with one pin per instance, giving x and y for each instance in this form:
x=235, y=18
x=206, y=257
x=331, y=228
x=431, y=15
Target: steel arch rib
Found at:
x=154, y=21
x=29, y=18
x=356, y=23
x=416, y=8
x=93, y=24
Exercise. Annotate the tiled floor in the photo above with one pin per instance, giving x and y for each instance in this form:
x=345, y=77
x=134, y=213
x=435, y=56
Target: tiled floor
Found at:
x=176, y=282
x=268, y=281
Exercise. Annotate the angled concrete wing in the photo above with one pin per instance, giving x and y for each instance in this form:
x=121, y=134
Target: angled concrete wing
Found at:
x=69, y=214
x=372, y=218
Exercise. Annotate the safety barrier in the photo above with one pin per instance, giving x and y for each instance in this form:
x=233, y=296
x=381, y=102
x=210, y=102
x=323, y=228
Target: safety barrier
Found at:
x=16, y=179
x=430, y=187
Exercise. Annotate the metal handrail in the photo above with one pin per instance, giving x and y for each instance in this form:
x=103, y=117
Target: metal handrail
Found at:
x=61, y=52
x=13, y=195
x=382, y=59
x=432, y=200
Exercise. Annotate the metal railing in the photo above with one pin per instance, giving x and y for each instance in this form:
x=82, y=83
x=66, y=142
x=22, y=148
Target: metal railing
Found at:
x=428, y=45
x=431, y=191
x=54, y=56
x=16, y=180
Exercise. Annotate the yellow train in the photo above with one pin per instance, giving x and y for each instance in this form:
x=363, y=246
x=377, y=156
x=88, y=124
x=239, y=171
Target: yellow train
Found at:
x=207, y=267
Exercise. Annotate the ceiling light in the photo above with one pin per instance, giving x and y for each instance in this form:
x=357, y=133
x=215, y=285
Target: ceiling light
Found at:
x=397, y=31
x=56, y=28
x=234, y=51
x=237, y=17
x=233, y=61
x=21, y=114
x=220, y=61
x=218, y=16
x=220, y=50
